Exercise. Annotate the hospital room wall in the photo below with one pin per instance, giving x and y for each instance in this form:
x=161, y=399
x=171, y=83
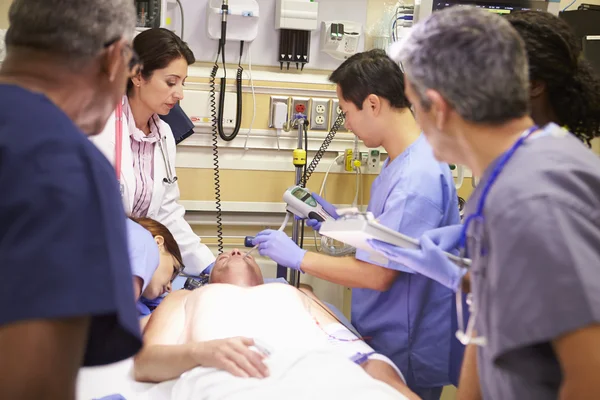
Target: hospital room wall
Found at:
x=4, y=6
x=253, y=181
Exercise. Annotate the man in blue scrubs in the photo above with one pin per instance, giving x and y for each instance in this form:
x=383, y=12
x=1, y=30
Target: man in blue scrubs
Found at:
x=407, y=315
x=532, y=224
x=66, y=297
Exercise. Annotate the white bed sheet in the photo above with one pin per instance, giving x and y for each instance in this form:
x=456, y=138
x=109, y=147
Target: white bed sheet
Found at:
x=97, y=382
x=317, y=375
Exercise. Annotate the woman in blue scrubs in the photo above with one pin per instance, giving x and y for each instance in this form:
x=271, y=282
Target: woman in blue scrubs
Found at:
x=155, y=262
x=407, y=315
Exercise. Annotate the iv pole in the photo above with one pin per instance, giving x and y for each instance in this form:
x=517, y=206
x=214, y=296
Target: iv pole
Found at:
x=299, y=162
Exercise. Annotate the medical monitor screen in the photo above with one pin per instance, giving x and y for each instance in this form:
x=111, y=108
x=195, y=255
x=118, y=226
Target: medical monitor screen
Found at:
x=497, y=6
x=591, y=51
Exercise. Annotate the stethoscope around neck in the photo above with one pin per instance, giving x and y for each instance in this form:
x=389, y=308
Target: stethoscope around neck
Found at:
x=466, y=335
x=170, y=177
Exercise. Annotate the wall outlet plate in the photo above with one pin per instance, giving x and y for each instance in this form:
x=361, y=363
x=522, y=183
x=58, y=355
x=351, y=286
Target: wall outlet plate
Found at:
x=300, y=105
x=335, y=110
x=374, y=160
x=277, y=99
x=319, y=114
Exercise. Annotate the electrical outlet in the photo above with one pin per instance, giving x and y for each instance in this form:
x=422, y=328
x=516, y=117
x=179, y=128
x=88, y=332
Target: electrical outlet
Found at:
x=300, y=105
x=335, y=111
x=274, y=100
x=319, y=114
x=374, y=160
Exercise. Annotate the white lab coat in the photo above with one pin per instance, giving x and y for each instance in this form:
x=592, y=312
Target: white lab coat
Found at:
x=164, y=205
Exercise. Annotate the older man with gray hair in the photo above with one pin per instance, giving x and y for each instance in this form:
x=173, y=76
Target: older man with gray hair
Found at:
x=532, y=226
x=66, y=297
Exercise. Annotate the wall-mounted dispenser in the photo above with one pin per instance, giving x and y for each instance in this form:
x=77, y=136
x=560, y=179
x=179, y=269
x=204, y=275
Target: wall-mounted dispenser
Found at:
x=295, y=19
x=340, y=39
x=242, y=20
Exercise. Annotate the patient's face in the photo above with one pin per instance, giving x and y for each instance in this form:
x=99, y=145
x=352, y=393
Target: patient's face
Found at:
x=231, y=267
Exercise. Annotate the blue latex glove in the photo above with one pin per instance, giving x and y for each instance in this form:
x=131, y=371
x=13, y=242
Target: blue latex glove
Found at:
x=209, y=268
x=429, y=260
x=329, y=209
x=280, y=248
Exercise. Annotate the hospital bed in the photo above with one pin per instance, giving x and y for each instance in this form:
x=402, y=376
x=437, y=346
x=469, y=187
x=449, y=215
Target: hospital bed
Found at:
x=99, y=382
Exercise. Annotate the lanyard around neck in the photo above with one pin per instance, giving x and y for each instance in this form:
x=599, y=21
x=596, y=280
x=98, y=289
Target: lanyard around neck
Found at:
x=493, y=176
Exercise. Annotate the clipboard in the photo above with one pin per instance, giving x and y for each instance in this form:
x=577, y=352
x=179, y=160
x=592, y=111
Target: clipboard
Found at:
x=356, y=230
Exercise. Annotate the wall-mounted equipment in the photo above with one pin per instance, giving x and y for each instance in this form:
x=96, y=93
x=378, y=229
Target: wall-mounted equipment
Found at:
x=295, y=19
x=155, y=14
x=585, y=22
x=242, y=19
x=498, y=6
x=217, y=113
x=340, y=39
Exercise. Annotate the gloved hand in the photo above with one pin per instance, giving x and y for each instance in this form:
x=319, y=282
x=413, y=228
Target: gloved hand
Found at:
x=280, y=248
x=209, y=268
x=329, y=209
x=429, y=260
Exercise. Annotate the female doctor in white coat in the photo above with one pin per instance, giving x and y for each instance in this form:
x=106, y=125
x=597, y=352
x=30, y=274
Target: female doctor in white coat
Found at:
x=142, y=148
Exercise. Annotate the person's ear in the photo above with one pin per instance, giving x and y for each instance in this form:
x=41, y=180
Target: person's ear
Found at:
x=439, y=108
x=160, y=241
x=113, y=60
x=536, y=89
x=137, y=80
x=373, y=102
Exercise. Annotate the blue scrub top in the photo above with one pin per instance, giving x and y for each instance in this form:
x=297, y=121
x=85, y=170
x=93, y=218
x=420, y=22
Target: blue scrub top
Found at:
x=63, y=243
x=410, y=323
x=143, y=252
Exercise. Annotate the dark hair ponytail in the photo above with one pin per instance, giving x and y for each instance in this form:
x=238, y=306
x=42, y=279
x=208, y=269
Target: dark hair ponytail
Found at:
x=577, y=105
x=157, y=47
x=555, y=59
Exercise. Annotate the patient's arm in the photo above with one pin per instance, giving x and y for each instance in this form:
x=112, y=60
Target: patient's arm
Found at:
x=163, y=357
x=377, y=369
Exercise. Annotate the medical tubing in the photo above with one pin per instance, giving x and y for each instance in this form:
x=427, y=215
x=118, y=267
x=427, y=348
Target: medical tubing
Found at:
x=302, y=226
x=215, y=151
x=285, y=222
x=362, y=338
x=319, y=154
x=238, y=94
x=182, y=18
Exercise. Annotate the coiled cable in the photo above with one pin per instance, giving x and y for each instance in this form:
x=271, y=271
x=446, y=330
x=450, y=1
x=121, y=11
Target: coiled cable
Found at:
x=238, y=93
x=215, y=151
x=319, y=154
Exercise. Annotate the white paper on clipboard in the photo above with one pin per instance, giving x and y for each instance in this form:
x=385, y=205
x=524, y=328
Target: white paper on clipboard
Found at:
x=356, y=231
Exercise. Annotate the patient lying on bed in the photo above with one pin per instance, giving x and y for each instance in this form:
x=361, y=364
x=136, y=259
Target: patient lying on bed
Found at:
x=274, y=331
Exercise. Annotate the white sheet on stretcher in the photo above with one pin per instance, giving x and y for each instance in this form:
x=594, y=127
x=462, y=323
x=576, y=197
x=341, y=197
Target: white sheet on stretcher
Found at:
x=321, y=373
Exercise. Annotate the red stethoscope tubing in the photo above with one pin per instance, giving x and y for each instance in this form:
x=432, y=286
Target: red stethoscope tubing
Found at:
x=118, y=139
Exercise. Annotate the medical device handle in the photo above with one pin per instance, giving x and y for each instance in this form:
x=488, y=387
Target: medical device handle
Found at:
x=118, y=138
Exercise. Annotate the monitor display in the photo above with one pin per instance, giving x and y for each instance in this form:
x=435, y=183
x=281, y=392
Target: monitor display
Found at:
x=591, y=51
x=497, y=6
